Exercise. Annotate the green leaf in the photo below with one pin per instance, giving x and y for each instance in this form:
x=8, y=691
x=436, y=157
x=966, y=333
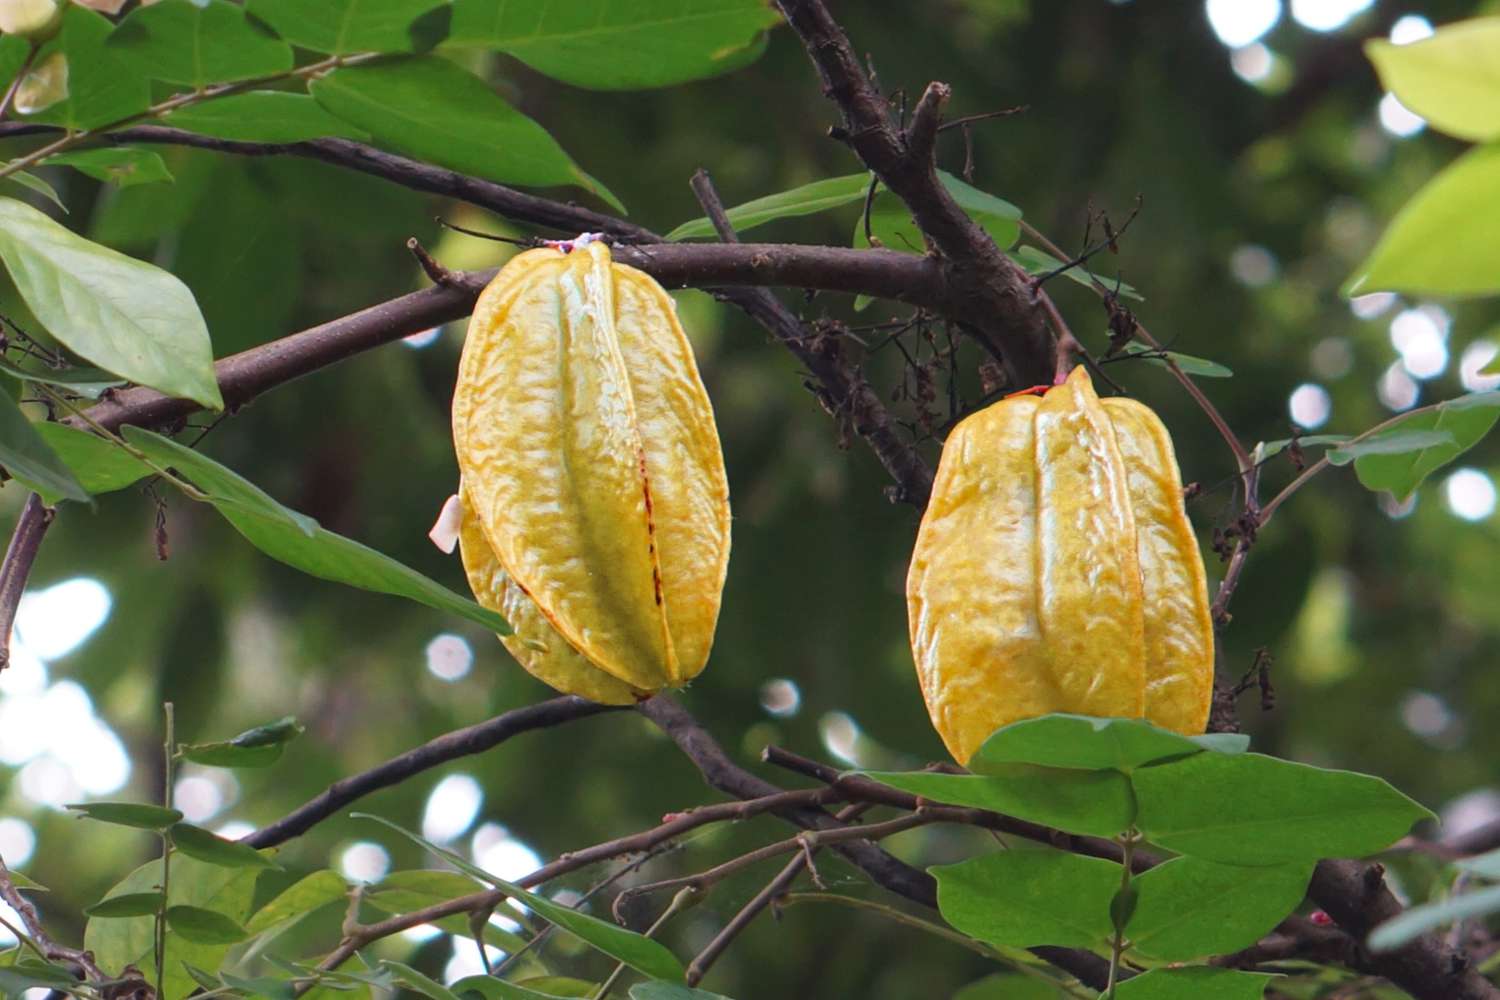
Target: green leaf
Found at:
x=196, y=842
x=340, y=27
x=260, y=986
x=1466, y=419
x=657, y=990
x=892, y=225
x=1269, y=449
x=101, y=88
x=605, y=45
x=1038, y=262
x=1089, y=802
x=27, y=456
x=1418, y=920
x=1089, y=743
x=640, y=953
x=490, y=988
x=99, y=465
x=298, y=900
x=139, y=815
x=1189, y=908
x=90, y=383
x=561, y=986
x=198, y=42
x=1202, y=806
x=1438, y=244
x=1024, y=898
x=34, y=183
x=256, y=747
x=118, y=943
x=23, y=881
x=130, y=904
x=125, y=166
x=1201, y=367
x=409, y=891
x=272, y=116
x=1395, y=442
x=414, y=980
x=1448, y=78
x=201, y=926
x=299, y=541
x=15, y=980
x=1484, y=865
x=809, y=199
x=433, y=110
x=1194, y=983
x=129, y=317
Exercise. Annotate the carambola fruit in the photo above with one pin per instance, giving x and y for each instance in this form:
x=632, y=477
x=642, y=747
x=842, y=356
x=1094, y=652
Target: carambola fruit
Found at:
x=1055, y=571
x=596, y=509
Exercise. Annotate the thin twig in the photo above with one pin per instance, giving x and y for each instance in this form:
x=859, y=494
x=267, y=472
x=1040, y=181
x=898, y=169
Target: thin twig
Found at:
x=450, y=746
x=701, y=963
x=50, y=949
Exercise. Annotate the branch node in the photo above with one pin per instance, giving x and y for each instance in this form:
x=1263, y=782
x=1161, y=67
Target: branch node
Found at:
x=436, y=273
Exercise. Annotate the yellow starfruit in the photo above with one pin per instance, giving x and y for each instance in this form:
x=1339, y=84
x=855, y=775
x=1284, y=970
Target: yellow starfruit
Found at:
x=1055, y=571
x=596, y=507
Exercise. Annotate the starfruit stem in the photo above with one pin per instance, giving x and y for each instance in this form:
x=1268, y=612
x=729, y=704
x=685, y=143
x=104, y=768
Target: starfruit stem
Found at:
x=1127, y=842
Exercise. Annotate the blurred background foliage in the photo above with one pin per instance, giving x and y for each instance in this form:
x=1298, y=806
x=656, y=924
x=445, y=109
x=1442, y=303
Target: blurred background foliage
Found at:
x=1268, y=165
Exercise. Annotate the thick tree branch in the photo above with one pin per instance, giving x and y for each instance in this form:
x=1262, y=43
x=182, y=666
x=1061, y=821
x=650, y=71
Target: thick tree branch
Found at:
x=991, y=295
x=1355, y=895
x=450, y=746
x=246, y=375
x=25, y=542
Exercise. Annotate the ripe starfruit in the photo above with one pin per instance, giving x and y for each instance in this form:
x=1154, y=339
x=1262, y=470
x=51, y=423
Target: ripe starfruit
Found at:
x=595, y=505
x=1055, y=571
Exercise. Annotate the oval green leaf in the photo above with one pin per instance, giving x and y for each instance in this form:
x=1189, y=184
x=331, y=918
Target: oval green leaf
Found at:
x=1024, y=898
x=272, y=116
x=28, y=458
x=130, y=904
x=299, y=541
x=1097, y=803
x=1090, y=743
x=429, y=108
x=140, y=815
x=605, y=45
x=196, y=842
x=1187, y=908
x=809, y=199
x=1438, y=244
x=129, y=317
x=341, y=27
x=1204, y=806
x=1448, y=78
x=198, y=42
x=123, y=166
x=201, y=926
x=1465, y=420
x=298, y=900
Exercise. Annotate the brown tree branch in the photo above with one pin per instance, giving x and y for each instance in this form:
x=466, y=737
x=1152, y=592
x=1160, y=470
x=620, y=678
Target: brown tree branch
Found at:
x=49, y=948
x=450, y=746
x=991, y=295
x=25, y=542
x=885, y=870
x=1355, y=895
